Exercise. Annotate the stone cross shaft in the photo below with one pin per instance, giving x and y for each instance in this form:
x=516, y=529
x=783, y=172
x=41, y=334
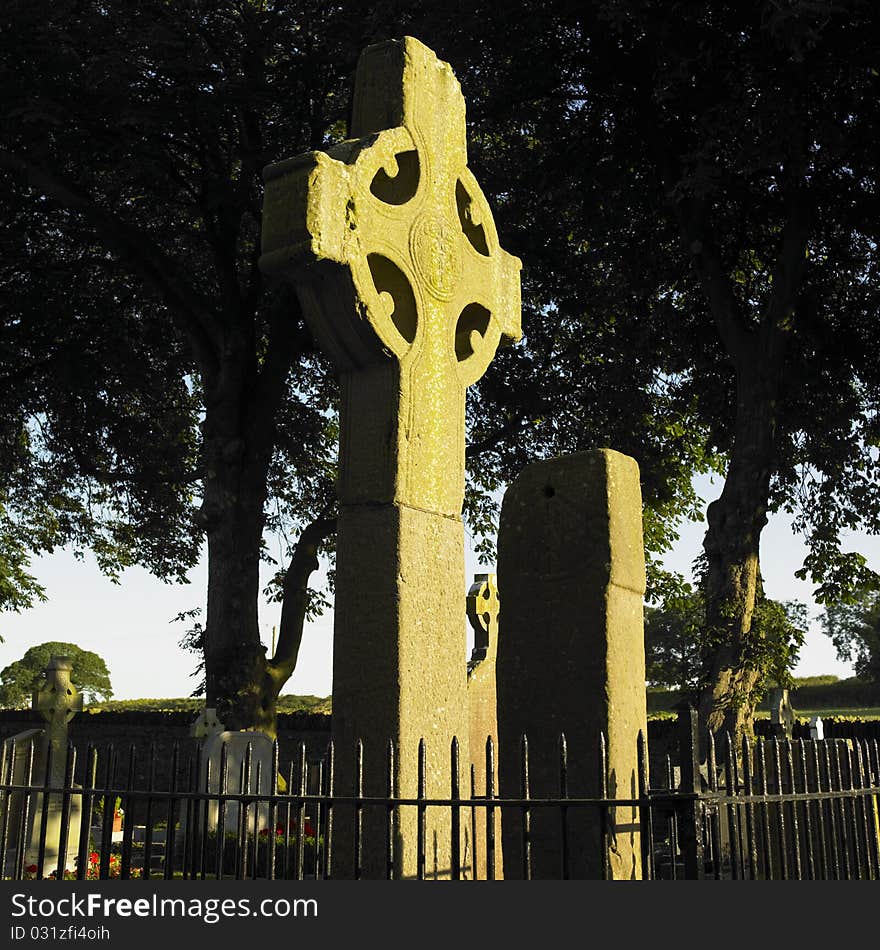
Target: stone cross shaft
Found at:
x=398, y=267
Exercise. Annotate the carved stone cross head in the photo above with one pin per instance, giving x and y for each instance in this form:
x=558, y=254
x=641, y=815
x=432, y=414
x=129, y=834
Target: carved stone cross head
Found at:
x=398, y=208
x=394, y=254
x=57, y=700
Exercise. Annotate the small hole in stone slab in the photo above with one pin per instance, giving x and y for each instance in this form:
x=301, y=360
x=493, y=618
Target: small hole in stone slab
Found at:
x=549, y=491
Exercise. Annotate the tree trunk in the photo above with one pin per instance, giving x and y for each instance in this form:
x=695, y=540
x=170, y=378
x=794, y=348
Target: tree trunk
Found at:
x=235, y=659
x=734, y=662
x=242, y=682
x=237, y=443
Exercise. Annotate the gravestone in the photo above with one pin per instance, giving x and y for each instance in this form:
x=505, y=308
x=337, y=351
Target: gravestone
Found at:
x=483, y=608
x=394, y=255
x=781, y=714
x=571, y=656
x=259, y=780
x=206, y=724
x=39, y=758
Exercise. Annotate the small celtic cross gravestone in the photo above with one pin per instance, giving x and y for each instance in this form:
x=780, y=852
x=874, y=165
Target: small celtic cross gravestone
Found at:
x=39, y=758
x=394, y=255
x=57, y=700
x=483, y=608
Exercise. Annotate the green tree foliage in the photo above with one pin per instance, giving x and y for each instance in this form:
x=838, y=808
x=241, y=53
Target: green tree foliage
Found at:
x=694, y=193
x=18, y=588
x=20, y=679
x=160, y=397
x=677, y=639
x=854, y=628
x=673, y=641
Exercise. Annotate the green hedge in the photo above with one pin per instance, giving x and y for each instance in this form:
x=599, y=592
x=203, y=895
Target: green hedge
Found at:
x=286, y=704
x=814, y=692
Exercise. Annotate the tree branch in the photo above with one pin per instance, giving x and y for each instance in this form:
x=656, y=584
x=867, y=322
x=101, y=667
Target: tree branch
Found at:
x=148, y=260
x=792, y=261
x=735, y=334
x=303, y=563
x=511, y=427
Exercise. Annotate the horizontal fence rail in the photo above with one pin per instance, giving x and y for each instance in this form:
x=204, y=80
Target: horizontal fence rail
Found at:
x=770, y=809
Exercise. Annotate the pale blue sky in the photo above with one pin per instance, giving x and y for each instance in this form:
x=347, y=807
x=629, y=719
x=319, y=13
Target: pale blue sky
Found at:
x=129, y=624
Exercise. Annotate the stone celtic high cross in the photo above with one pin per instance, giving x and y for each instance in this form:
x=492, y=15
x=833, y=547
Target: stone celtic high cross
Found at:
x=398, y=269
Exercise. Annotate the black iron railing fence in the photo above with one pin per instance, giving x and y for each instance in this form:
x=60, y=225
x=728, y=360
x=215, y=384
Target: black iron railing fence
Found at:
x=772, y=809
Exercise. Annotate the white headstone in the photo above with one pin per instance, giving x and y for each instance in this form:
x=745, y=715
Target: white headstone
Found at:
x=260, y=781
x=817, y=729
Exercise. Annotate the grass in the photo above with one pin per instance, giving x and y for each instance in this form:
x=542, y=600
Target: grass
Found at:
x=825, y=696
x=871, y=712
x=802, y=715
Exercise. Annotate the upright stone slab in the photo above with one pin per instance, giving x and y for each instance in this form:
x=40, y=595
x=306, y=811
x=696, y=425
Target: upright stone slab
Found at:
x=483, y=608
x=392, y=249
x=571, y=655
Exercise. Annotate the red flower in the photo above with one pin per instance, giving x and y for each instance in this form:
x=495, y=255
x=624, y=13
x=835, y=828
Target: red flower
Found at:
x=264, y=832
x=94, y=857
x=310, y=829
x=31, y=869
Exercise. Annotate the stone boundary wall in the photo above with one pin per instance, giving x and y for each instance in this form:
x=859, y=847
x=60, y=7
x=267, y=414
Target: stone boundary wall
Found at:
x=164, y=729
x=121, y=730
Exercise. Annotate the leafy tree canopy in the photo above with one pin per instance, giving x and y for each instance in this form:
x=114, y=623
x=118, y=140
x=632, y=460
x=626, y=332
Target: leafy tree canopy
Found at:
x=20, y=679
x=159, y=394
x=156, y=395
x=694, y=195
x=854, y=628
x=647, y=164
x=677, y=637
x=694, y=192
